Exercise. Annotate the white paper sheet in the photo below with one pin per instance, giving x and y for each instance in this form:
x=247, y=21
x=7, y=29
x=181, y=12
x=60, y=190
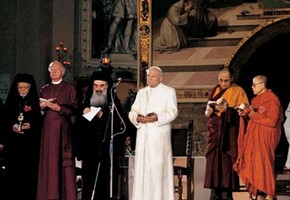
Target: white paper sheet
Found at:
x=93, y=111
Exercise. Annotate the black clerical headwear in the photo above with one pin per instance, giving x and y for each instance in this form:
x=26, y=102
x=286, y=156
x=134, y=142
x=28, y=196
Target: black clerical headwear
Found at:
x=13, y=95
x=23, y=77
x=102, y=75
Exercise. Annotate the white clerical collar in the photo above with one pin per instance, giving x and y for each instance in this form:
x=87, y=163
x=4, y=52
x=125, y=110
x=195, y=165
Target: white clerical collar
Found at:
x=56, y=82
x=154, y=88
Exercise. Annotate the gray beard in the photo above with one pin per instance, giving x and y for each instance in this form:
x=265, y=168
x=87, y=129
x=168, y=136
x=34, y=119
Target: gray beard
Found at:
x=99, y=99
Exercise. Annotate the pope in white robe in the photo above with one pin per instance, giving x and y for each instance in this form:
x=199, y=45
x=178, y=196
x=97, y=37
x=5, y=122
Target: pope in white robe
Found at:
x=155, y=107
x=287, y=133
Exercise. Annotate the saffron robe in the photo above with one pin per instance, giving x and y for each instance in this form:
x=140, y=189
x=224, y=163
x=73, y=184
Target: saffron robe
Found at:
x=257, y=143
x=56, y=177
x=222, y=140
x=153, y=178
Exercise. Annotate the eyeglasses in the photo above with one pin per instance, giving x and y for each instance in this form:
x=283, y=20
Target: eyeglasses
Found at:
x=255, y=84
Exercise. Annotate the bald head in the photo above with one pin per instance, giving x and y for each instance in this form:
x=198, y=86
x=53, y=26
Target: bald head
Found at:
x=259, y=84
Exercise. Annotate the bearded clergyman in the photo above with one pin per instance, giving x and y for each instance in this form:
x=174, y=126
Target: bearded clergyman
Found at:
x=95, y=137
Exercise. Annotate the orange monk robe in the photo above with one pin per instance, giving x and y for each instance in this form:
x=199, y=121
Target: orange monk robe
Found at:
x=257, y=143
x=222, y=140
x=235, y=95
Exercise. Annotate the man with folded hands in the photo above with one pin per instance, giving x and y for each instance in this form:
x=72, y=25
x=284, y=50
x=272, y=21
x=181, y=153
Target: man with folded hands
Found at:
x=21, y=131
x=152, y=112
x=56, y=177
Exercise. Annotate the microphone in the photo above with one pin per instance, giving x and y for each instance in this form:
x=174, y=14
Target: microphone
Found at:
x=117, y=82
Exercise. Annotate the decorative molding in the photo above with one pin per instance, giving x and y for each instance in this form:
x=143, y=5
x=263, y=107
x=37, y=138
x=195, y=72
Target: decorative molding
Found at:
x=196, y=95
x=86, y=21
x=275, y=8
x=281, y=12
x=144, y=39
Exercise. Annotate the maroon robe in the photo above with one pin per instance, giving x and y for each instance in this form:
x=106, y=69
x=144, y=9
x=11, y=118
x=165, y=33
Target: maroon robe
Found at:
x=57, y=165
x=222, y=141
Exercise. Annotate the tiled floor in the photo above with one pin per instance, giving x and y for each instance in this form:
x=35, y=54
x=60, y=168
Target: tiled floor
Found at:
x=199, y=192
x=204, y=194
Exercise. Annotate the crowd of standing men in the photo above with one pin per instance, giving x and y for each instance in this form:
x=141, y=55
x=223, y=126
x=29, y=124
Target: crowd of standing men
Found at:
x=38, y=144
x=37, y=137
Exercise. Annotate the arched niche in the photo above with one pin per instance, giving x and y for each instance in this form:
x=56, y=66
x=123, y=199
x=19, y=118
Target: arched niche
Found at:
x=266, y=51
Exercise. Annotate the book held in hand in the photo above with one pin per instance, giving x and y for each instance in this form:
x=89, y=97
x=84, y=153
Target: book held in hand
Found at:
x=220, y=101
x=43, y=99
x=51, y=100
x=242, y=106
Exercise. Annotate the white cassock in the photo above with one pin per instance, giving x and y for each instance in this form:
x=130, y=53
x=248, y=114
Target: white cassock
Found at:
x=287, y=133
x=153, y=178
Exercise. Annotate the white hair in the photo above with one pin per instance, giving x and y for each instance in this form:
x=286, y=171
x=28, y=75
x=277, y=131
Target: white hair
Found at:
x=155, y=67
x=56, y=61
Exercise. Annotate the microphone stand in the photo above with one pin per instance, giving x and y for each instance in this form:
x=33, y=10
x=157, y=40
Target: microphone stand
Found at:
x=99, y=165
x=111, y=149
x=112, y=108
x=113, y=93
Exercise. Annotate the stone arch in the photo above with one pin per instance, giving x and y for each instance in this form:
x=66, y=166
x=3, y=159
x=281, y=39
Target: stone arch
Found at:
x=266, y=51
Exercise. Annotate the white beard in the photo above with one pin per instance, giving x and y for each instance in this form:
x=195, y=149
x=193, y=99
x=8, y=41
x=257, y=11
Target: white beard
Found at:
x=99, y=99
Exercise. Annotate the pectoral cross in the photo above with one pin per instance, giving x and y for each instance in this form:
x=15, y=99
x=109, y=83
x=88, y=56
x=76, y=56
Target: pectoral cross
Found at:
x=20, y=119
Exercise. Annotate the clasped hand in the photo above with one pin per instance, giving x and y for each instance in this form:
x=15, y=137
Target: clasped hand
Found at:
x=24, y=126
x=150, y=118
x=51, y=103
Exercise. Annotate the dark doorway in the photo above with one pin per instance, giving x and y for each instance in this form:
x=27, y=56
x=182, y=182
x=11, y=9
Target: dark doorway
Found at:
x=267, y=52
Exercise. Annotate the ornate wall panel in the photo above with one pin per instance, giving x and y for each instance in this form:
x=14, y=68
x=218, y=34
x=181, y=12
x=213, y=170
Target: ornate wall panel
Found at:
x=144, y=38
